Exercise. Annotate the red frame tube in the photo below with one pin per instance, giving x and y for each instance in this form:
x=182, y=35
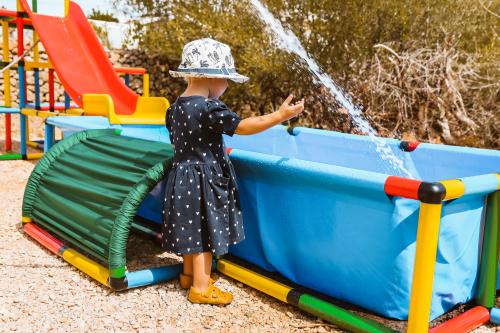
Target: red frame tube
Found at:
x=13, y=14
x=44, y=238
x=8, y=13
x=130, y=70
x=8, y=133
x=52, y=102
x=20, y=35
x=465, y=322
x=402, y=187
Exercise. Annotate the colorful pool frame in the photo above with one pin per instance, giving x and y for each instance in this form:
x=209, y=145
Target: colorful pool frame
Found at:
x=37, y=109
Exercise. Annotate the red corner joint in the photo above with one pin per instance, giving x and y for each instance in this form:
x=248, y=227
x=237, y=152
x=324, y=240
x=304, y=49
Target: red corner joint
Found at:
x=402, y=187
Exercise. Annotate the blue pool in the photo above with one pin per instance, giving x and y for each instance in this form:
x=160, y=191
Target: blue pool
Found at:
x=315, y=211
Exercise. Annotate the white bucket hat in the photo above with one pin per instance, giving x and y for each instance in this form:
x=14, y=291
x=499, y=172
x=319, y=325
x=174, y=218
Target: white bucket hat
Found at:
x=208, y=58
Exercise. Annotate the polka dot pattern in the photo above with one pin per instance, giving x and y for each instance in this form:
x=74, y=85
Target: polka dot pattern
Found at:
x=201, y=206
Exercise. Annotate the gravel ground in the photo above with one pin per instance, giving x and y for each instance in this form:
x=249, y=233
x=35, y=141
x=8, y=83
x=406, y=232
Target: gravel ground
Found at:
x=41, y=293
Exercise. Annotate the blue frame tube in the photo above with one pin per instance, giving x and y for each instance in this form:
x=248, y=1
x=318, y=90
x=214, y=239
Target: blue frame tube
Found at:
x=154, y=275
x=22, y=104
x=127, y=80
x=4, y=110
x=67, y=101
x=49, y=137
x=37, y=88
x=495, y=316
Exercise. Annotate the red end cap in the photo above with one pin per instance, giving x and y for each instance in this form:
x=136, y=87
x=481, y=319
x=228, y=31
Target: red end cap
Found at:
x=228, y=150
x=402, y=187
x=408, y=146
x=413, y=145
x=465, y=322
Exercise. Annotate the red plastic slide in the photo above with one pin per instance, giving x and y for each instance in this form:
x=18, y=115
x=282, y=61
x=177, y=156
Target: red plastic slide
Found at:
x=79, y=58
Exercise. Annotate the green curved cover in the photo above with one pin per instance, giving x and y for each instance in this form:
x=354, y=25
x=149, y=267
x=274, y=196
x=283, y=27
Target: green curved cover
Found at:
x=88, y=187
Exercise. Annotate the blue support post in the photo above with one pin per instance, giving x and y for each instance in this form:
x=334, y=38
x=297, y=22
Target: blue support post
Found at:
x=67, y=101
x=49, y=137
x=127, y=80
x=37, y=89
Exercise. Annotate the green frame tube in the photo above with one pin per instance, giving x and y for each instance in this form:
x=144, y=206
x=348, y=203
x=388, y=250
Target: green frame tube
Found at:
x=340, y=317
x=489, y=255
x=242, y=271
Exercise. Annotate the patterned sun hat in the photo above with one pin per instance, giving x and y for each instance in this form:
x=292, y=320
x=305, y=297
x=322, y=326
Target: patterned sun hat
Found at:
x=208, y=58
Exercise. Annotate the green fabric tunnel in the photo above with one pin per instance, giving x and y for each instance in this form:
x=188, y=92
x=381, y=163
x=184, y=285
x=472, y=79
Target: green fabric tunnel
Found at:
x=88, y=187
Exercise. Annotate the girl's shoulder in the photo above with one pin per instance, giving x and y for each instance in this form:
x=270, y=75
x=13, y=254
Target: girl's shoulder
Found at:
x=214, y=105
x=198, y=101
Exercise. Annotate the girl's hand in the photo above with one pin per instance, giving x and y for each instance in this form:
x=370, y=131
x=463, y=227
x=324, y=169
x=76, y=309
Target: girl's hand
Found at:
x=288, y=111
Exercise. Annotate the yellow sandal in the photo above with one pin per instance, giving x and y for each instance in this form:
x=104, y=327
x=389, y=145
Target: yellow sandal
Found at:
x=212, y=295
x=186, y=281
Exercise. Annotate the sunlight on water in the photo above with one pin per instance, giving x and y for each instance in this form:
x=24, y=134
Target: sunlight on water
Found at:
x=288, y=41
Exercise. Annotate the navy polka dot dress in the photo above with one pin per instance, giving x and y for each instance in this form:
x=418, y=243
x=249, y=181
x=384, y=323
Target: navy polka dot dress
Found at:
x=202, y=210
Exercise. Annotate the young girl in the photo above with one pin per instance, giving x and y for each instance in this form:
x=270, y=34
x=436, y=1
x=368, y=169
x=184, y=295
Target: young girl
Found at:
x=202, y=206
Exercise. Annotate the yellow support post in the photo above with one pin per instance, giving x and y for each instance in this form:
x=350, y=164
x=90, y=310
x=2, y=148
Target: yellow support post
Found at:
x=66, y=7
x=36, y=50
x=27, y=134
x=19, y=7
x=6, y=58
x=423, y=273
x=145, y=85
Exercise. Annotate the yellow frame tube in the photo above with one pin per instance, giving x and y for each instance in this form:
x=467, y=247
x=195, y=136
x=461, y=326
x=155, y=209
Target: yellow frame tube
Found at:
x=74, y=112
x=25, y=219
x=87, y=266
x=254, y=280
x=6, y=58
x=34, y=156
x=37, y=64
x=36, y=51
x=32, y=144
x=454, y=188
x=45, y=114
x=27, y=128
x=66, y=7
x=423, y=270
x=145, y=85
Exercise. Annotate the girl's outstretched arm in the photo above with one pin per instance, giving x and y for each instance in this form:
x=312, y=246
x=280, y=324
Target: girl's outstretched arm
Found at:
x=253, y=125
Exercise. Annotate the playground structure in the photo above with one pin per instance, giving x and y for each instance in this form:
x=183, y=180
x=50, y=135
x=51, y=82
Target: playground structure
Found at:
x=74, y=41
x=357, y=233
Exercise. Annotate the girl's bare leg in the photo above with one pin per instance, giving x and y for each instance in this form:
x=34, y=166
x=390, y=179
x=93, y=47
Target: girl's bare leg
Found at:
x=187, y=266
x=202, y=266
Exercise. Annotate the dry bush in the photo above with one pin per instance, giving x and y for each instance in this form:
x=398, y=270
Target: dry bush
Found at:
x=439, y=94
